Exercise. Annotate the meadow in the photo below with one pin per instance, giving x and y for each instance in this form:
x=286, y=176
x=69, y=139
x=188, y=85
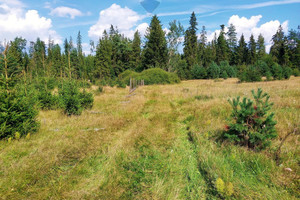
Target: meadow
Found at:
x=160, y=142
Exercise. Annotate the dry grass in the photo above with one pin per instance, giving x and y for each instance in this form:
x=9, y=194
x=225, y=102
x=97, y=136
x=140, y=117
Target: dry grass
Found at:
x=138, y=147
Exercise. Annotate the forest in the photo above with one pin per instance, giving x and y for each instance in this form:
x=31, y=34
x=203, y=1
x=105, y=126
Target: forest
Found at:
x=224, y=56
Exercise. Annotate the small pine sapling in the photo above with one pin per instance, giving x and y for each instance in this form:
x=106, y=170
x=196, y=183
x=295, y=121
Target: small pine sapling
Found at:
x=253, y=126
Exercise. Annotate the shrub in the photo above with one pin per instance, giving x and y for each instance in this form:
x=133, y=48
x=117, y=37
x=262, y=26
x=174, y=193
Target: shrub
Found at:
x=252, y=125
x=262, y=67
x=251, y=74
x=277, y=71
x=150, y=76
x=213, y=71
x=269, y=76
x=86, y=99
x=72, y=100
x=224, y=74
x=231, y=71
x=199, y=72
x=17, y=115
x=182, y=70
x=296, y=72
x=46, y=100
x=287, y=72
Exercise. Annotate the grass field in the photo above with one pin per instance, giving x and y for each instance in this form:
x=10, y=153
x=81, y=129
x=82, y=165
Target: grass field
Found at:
x=160, y=143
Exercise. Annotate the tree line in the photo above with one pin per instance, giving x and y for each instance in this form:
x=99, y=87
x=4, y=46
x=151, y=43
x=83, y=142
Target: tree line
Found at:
x=114, y=53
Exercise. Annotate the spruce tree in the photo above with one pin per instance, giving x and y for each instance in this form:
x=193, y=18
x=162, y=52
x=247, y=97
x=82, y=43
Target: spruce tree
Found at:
x=222, y=47
x=232, y=43
x=279, y=49
x=232, y=39
x=136, y=51
x=155, y=52
x=261, y=48
x=252, y=50
x=242, y=51
x=294, y=48
x=103, y=58
x=190, y=42
x=201, y=47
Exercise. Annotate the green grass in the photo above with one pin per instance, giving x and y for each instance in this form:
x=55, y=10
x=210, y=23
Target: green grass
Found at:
x=162, y=143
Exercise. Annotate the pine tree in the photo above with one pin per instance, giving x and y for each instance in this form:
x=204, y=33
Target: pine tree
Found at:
x=261, y=48
x=38, y=56
x=103, y=58
x=201, y=47
x=232, y=39
x=49, y=60
x=242, y=51
x=136, y=51
x=232, y=43
x=82, y=71
x=190, y=42
x=294, y=48
x=253, y=126
x=57, y=63
x=252, y=50
x=279, y=49
x=155, y=53
x=222, y=47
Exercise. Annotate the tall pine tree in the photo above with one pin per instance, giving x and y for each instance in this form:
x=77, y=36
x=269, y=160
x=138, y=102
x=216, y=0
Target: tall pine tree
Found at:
x=190, y=42
x=252, y=50
x=260, y=46
x=155, y=52
x=222, y=47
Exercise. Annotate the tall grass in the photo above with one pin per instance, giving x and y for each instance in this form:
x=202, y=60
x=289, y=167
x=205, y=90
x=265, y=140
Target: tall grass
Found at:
x=161, y=143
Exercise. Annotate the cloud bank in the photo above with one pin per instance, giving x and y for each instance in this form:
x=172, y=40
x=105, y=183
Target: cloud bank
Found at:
x=15, y=21
x=125, y=19
x=63, y=11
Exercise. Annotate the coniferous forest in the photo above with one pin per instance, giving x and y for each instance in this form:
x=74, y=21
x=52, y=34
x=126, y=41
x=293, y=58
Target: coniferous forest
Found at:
x=177, y=138
x=225, y=56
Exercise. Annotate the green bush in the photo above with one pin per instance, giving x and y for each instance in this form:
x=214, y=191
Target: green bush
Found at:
x=46, y=100
x=198, y=72
x=277, y=71
x=72, y=100
x=213, y=71
x=18, y=114
x=250, y=74
x=86, y=99
x=296, y=72
x=182, y=70
x=227, y=71
x=231, y=71
x=150, y=76
x=287, y=72
x=253, y=126
x=262, y=67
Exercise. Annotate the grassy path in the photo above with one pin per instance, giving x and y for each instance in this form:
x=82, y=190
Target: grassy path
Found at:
x=158, y=144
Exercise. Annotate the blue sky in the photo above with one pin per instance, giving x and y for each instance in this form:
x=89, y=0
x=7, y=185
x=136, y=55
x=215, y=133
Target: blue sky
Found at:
x=64, y=18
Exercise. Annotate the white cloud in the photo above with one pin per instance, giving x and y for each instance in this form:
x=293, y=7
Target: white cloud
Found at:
x=142, y=28
x=17, y=22
x=250, y=26
x=63, y=11
x=124, y=19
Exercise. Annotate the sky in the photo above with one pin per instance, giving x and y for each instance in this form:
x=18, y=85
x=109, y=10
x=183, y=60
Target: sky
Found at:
x=60, y=19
